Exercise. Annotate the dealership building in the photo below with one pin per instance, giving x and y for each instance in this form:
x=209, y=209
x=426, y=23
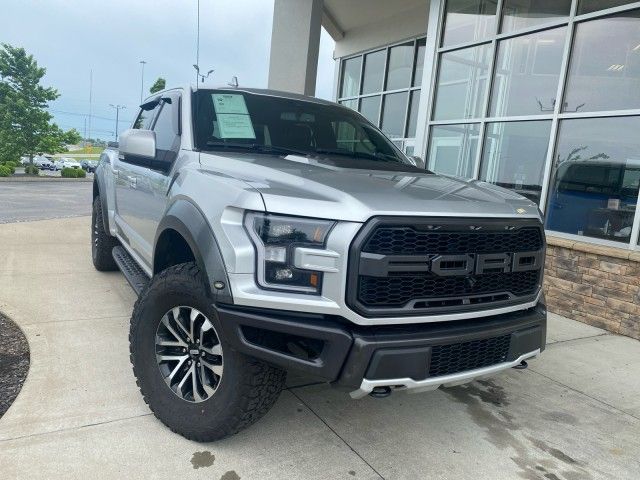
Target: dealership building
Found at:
x=538, y=96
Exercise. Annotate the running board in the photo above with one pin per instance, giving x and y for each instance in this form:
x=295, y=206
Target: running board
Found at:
x=136, y=277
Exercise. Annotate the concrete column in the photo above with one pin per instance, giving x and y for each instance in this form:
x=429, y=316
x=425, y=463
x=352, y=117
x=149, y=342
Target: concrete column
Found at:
x=295, y=42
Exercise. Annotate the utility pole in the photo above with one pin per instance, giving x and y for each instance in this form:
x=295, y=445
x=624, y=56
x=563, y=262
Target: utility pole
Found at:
x=143, y=63
x=118, y=108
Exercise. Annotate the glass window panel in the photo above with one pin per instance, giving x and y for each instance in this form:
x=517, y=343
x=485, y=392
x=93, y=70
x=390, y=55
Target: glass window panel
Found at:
x=527, y=73
x=468, y=21
x=605, y=65
x=514, y=156
x=373, y=72
x=588, y=6
x=597, y=169
x=519, y=14
x=393, y=113
x=350, y=77
x=370, y=107
x=352, y=104
x=400, y=66
x=413, y=113
x=417, y=75
x=453, y=149
x=462, y=81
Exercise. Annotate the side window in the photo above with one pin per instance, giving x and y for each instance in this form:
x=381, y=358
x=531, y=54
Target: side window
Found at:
x=166, y=131
x=145, y=118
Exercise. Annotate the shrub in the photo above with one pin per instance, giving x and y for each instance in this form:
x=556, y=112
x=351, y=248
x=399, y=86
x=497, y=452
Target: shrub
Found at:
x=10, y=166
x=31, y=170
x=69, y=173
x=4, y=171
x=80, y=173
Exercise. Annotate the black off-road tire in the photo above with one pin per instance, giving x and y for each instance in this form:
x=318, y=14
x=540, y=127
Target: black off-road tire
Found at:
x=248, y=387
x=101, y=242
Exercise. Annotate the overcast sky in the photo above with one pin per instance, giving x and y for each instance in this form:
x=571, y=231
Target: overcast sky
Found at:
x=72, y=37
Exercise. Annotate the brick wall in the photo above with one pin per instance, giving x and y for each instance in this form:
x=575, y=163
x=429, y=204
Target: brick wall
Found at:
x=594, y=284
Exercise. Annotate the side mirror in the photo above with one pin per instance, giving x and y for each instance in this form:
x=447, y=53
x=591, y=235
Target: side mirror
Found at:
x=138, y=143
x=417, y=161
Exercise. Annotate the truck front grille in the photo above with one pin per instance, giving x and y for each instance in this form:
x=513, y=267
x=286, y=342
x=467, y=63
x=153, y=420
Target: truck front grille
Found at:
x=460, y=357
x=428, y=266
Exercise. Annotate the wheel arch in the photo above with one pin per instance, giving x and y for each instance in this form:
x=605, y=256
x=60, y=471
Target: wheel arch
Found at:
x=99, y=190
x=184, y=226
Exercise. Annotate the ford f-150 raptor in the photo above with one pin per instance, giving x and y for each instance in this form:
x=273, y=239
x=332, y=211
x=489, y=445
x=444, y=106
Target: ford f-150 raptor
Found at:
x=267, y=232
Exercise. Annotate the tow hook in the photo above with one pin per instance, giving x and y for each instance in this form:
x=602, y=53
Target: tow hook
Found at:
x=380, y=392
x=522, y=365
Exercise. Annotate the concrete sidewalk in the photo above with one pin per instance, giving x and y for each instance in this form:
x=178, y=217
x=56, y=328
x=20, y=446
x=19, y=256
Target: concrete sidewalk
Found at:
x=574, y=414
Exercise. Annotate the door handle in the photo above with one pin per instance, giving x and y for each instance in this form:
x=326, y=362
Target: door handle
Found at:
x=133, y=182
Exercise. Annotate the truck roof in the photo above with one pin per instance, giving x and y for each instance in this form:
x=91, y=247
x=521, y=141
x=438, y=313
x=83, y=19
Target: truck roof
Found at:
x=256, y=91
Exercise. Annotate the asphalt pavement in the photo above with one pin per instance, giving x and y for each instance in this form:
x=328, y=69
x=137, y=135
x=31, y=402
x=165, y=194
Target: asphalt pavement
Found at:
x=24, y=200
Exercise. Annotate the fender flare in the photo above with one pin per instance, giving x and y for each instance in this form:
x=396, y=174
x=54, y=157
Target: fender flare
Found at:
x=100, y=190
x=186, y=219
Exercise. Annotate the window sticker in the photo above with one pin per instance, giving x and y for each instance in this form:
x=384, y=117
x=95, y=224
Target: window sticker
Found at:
x=234, y=125
x=233, y=117
x=229, y=103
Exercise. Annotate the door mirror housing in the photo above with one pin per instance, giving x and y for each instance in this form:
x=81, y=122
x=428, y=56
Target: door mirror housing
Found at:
x=139, y=144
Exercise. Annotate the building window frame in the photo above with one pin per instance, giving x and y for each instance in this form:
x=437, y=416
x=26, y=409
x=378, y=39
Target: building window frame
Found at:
x=434, y=52
x=404, y=141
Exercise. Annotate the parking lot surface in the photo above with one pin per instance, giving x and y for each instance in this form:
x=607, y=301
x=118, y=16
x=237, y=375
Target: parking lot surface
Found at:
x=39, y=200
x=573, y=415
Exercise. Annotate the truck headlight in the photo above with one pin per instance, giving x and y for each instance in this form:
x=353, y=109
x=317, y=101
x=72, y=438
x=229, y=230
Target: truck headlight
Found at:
x=275, y=238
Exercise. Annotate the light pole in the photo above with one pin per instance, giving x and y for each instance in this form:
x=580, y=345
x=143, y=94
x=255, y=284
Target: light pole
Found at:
x=143, y=63
x=198, y=74
x=118, y=108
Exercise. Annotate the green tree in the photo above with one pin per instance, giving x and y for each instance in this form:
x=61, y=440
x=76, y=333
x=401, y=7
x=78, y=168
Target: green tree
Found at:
x=25, y=124
x=159, y=84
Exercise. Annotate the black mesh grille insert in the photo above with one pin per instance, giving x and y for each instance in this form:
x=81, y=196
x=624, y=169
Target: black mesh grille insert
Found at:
x=430, y=266
x=396, y=291
x=459, y=357
x=406, y=240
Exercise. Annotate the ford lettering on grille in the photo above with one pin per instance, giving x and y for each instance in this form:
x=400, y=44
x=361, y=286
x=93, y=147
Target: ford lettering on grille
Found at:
x=430, y=266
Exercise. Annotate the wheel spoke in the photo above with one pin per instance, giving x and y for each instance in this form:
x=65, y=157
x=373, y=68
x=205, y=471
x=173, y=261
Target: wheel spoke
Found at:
x=194, y=384
x=217, y=369
x=215, y=350
x=178, y=367
x=165, y=322
x=192, y=320
x=176, y=317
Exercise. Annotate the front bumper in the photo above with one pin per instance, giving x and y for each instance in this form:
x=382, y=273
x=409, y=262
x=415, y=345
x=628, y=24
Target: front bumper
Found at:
x=360, y=358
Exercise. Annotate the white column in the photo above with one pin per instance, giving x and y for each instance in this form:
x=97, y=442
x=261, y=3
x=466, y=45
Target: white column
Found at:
x=295, y=42
x=428, y=76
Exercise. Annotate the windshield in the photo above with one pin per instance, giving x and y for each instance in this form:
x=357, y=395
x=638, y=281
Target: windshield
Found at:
x=243, y=121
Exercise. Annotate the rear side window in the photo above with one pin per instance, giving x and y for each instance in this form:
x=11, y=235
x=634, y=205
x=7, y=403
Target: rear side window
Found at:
x=145, y=117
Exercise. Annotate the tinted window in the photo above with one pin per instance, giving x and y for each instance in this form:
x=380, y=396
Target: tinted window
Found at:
x=597, y=170
x=351, y=77
x=518, y=14
x=145, y=117
x=453, y=149
x=166, y=132
x=468, y=20
x=228, y=120
x=605, y=65
x=373, y=72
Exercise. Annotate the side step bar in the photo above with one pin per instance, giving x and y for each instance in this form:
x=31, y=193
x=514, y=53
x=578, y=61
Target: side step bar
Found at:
x=136, y=277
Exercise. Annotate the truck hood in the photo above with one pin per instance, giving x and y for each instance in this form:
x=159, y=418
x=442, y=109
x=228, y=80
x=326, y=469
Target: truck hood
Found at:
x=296, y=185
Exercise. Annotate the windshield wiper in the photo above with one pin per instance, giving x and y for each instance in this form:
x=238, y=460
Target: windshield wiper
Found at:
x=377, y=156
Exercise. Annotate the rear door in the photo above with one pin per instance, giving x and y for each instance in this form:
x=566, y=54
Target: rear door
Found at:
x=127, y=170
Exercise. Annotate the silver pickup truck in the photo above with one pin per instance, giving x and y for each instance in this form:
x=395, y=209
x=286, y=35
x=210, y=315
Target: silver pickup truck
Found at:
x=267, y=232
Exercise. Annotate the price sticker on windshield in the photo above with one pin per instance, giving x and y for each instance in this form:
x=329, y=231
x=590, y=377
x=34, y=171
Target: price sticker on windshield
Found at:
x=234, y=125
x=229, y=103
